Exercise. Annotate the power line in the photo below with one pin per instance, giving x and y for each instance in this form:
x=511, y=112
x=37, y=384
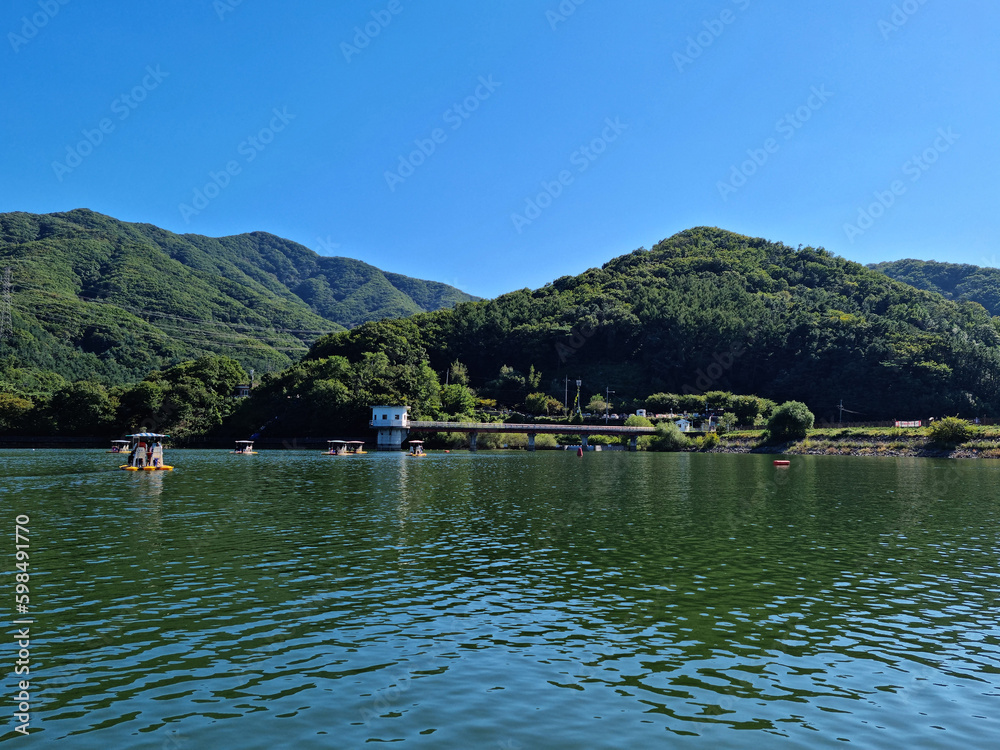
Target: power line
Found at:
x=143, y=311
x=67, y=318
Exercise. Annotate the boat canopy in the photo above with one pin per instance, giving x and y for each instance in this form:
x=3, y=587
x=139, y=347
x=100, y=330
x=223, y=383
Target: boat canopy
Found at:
x=147, y=435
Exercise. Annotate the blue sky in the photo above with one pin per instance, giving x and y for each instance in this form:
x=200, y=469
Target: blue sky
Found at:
x=496, y=146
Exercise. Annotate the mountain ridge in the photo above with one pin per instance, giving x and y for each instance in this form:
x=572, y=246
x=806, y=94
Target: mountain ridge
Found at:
x=955, y=281
x=98, y=297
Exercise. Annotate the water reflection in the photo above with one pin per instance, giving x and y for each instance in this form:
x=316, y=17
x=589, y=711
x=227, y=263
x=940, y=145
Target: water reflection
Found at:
x=615, y=599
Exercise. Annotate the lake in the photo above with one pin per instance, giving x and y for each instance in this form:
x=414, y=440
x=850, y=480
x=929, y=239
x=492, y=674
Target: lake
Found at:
x=506, y=600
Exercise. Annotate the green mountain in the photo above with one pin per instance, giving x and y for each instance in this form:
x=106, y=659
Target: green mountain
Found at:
x=709, y=310
x=961, y=282
x=97, y=298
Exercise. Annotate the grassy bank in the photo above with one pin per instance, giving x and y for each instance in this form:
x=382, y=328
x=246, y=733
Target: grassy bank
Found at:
x=869, y=441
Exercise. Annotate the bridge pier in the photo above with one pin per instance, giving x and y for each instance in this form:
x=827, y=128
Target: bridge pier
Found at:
x=531, y=441
x=583, y=441
x=633, y=443
x=472, y=441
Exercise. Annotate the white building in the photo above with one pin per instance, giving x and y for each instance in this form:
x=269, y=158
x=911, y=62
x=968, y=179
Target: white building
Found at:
x=393, y=425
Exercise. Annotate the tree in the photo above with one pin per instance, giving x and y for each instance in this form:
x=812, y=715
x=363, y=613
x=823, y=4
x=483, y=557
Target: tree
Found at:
x=139, y=403
x=660, y=403
x=458, y=374
x=427, y=391
x=692, y=403
x=13, y=412
x=790, y=421
x=537, y=403
x=726, y=423
x=457, y=400
x=746, y=408
x=81, y=408
x=718, y=400
x=534, y=377
x=597, y=404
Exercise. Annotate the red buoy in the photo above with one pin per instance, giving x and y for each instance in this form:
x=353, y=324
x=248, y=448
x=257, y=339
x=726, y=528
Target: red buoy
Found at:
x=782, y=463
x=579, y=451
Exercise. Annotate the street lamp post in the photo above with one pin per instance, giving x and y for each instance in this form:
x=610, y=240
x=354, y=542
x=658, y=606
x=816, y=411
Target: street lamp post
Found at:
x=607, y=404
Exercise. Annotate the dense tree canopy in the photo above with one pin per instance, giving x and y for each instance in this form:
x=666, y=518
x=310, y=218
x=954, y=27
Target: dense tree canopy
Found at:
x=706, y=322
x=99, y=299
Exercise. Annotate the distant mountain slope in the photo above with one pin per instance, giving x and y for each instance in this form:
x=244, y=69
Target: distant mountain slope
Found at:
x=708, y=309
x=960, y=282
x=94, y=297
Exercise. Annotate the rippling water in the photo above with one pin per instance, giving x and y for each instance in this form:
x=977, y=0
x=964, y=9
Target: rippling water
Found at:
x=508, y=600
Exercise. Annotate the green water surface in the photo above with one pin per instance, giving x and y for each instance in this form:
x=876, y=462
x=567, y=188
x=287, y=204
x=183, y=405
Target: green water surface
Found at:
x=506, y=600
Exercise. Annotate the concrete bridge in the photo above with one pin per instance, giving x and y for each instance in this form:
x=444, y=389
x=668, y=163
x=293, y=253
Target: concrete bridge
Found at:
x=474, y=428
x=393, y=424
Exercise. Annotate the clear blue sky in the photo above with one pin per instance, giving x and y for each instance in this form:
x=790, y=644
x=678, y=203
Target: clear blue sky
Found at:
x=776, y=119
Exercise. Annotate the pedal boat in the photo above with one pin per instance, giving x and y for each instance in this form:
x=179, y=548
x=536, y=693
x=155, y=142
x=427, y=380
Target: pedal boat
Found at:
x=245, y=448
x=146, y=453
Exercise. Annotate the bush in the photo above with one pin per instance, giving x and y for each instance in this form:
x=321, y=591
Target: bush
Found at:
x=669, y=438
x=950, y=431
x=790, y=422
x=709, y=441
x=727, y=422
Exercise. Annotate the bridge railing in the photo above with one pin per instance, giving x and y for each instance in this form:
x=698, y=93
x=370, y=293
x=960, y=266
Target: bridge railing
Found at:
x=547, y=428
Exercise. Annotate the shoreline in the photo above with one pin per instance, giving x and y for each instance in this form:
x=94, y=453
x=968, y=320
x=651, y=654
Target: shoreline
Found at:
x=866, y=445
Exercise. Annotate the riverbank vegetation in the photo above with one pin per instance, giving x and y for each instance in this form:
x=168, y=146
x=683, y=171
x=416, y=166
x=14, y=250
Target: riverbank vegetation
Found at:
x=959, y=439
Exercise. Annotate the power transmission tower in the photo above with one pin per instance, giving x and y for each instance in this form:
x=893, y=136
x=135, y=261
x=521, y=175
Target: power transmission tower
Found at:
x=6, y=327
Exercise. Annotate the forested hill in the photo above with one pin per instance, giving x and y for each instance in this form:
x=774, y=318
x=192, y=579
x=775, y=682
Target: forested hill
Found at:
x=708, y=310
x=98, y=298
x=961, y=282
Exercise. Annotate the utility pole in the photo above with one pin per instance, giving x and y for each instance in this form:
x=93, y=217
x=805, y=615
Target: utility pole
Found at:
x=579, y=408
x=6, y=326
x=607, y=403
x=840, y=419
x=566, y=393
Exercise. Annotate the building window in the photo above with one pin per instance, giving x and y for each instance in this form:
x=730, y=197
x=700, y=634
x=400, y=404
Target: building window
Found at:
x=385, y=416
